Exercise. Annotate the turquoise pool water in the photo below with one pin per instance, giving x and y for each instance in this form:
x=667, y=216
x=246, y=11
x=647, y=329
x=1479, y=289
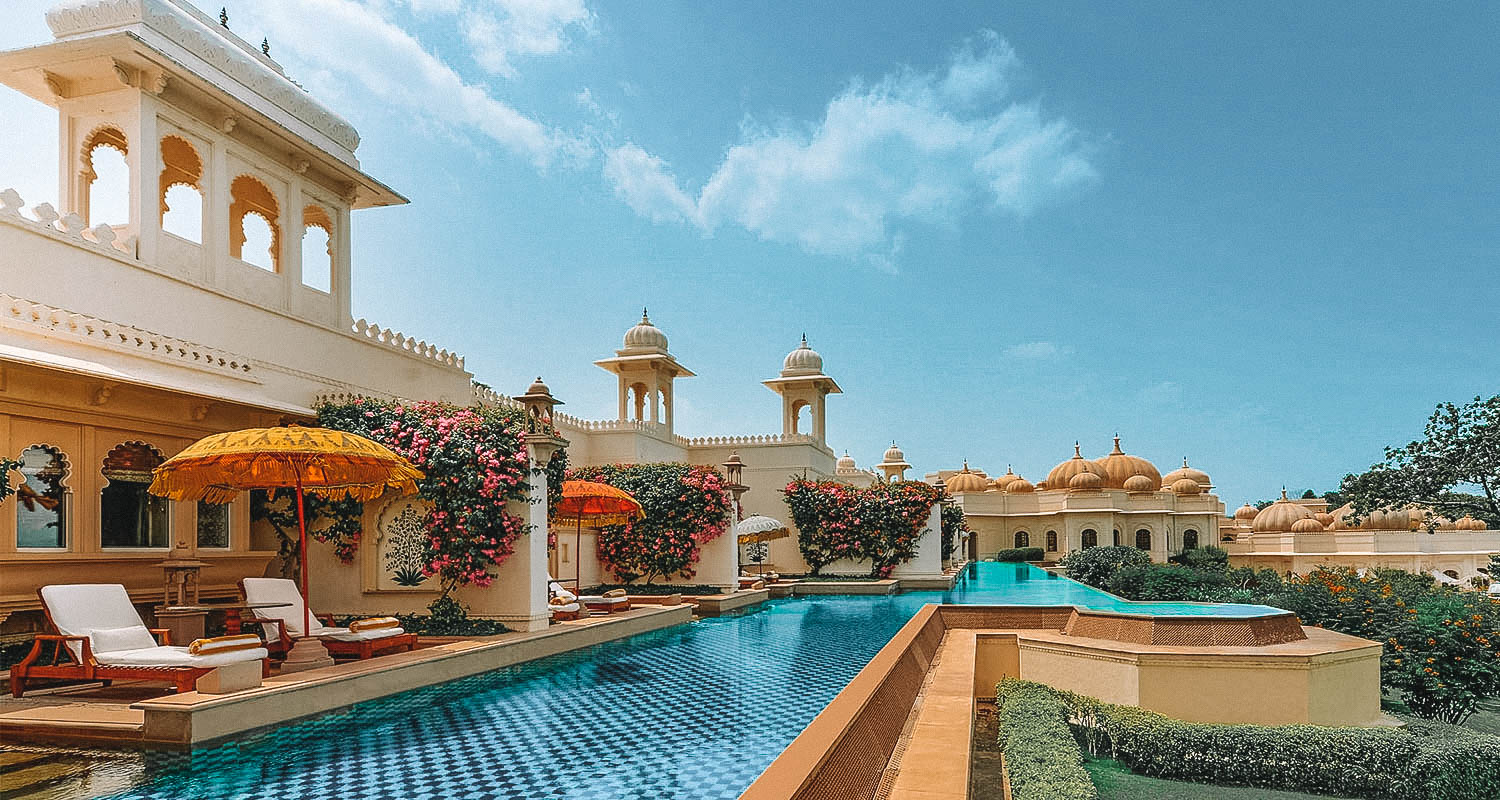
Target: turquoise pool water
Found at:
x=693, y=712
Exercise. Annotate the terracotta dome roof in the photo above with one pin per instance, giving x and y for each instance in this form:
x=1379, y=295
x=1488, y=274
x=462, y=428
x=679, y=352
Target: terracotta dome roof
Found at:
x=1139, y=483
x=1001, y=482
x=1245, y=513
x=645, y=336
x=537, y=387
x=1119, y=467
x=893, y=454
x=1085, y=482
x=1280, y=515
x=965, y=481
x=1307, y=525
x=1324, y=518
x=802, y=361
x=1062, y=473
x=1396, y=519
x=1468, y=523
x=1185, y=471
x=1186, y=486
x=1020, y=486
x=845, y=463
x=1339, y=522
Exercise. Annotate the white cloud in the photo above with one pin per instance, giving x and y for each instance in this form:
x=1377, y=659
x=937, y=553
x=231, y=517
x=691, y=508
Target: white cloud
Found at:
x=912, y=148
x=1036, y=351
x=521, y=28
x=349, y=39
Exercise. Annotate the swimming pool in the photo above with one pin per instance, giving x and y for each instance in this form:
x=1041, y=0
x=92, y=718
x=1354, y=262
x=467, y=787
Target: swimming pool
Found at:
x=693, y=712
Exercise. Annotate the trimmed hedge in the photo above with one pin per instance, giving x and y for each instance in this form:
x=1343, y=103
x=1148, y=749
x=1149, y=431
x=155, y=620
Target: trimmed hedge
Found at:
x=1426, y=761
x=1041, y=756
x=1018, y=554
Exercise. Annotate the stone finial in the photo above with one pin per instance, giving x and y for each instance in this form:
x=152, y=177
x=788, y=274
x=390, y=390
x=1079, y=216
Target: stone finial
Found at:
x=224, y=16
x=265, y=46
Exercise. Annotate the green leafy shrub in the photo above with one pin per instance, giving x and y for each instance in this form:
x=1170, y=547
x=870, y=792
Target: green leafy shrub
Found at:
x=1163, y=582
x=1041, y=756
x=1018, y=554
x=1203, y=559
x=954, y=526
x=1426, y=761
x=1096, y=565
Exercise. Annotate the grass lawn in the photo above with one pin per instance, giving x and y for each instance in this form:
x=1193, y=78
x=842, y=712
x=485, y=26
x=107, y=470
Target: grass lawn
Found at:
x=1115, y=782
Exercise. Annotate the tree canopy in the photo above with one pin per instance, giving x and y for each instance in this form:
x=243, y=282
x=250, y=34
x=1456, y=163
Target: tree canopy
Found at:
x=1454, y=469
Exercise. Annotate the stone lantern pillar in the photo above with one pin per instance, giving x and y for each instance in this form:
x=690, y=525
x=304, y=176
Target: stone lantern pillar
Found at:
x=720, y=559
x=518, y=597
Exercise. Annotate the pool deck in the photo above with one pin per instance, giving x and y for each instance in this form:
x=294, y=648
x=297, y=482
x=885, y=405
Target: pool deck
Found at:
x=136, y=714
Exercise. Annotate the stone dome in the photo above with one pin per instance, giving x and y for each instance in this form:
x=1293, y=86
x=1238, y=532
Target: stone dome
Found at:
x=1396, y=519
x=893, y=454
x=1245, y=513
x=1185, y=486
x=1197, y=475
x=1307, y=525
x=802, y=361
x=645, y=336
x=845, y=463
x=1280, y=515
x=1062, y=473
x=537, y=387
x=1004, y=480
x=1085, y=482
x=1023, y=486
x=1324, y=518
x=964, y=481
x=1339, y=522
x=1468, y=523
x=1119, y=467
x=1139, y=483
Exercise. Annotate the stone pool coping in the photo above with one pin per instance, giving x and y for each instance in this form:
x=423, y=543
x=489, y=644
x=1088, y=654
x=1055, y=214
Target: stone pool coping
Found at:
x=903, y=727
x=192, y=719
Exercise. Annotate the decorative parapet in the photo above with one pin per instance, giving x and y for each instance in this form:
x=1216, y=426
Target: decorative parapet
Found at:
x=485, y=396
x=70, y=227
x=127, y=338
x=768, y=438
x=399, y=341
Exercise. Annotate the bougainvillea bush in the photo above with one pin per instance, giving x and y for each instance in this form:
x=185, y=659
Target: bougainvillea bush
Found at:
x=686, y=507
x=955, y=524
x=475, y=462
x=880, y=524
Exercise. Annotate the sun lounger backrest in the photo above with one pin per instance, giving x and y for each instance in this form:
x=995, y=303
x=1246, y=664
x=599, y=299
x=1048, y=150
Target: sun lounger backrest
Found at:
x=80, y=609
x=277, y=590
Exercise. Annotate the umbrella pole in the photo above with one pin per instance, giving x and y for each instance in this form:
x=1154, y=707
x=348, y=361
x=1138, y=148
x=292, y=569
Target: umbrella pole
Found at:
x=578, y=557
x=302, y=557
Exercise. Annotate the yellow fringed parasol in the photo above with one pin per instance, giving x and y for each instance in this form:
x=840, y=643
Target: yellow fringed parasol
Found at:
x=597, y=503
x=322, y=461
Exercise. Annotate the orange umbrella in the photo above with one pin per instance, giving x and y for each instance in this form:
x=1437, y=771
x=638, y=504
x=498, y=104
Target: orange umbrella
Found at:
x=323, y=461
x=597, y=503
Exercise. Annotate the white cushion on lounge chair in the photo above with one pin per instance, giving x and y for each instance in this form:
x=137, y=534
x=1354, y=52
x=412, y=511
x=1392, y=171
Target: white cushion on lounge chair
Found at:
x=566, y=609
x=79, y=609
x=600, y=600
x=281, y=590
x=105, y=640
x=176, y=657
x=346, y=635
x=555, y=589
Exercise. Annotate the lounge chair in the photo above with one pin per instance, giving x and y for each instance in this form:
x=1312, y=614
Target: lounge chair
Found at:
x=283, y=625
x=563, y=603
x=612, y=600
x=100, y=637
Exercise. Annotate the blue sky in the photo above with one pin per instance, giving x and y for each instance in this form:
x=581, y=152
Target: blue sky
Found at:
x=1262, y=236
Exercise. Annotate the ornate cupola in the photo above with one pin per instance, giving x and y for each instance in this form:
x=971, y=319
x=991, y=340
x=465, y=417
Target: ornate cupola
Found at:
x=646, y=370
x=802, y=384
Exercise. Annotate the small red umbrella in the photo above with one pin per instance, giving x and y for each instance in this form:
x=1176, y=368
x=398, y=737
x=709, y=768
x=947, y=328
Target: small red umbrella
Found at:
x=597, y=503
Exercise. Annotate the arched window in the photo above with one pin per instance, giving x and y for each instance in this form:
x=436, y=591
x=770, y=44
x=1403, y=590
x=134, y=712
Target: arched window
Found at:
x=254, y=233
x=639, y=392
x=1052, y=541
x=106, y=178
x=1090, y=538
x=129, y=516
x=798, y=407
x=317, y=249
x=1116, y=540
x=42, y=499
x=1023, y=539
x=1189, y=540
x=181, y=189
x=1143, y=539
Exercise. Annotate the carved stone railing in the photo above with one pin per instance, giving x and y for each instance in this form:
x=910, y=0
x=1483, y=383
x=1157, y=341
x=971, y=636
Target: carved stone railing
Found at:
x=128, y=338
x=485, y=396
x=399, y=341
x=753, y=439
x=70, y=227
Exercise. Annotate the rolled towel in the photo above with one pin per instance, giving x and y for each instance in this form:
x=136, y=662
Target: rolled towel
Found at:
x=561, y=601
x=374, y=623
x=224, y=644
x=615, y=593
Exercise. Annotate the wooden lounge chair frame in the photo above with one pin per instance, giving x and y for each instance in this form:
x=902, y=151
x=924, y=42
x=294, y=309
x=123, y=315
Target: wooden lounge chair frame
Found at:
x=362, y=649
x=62, y=664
